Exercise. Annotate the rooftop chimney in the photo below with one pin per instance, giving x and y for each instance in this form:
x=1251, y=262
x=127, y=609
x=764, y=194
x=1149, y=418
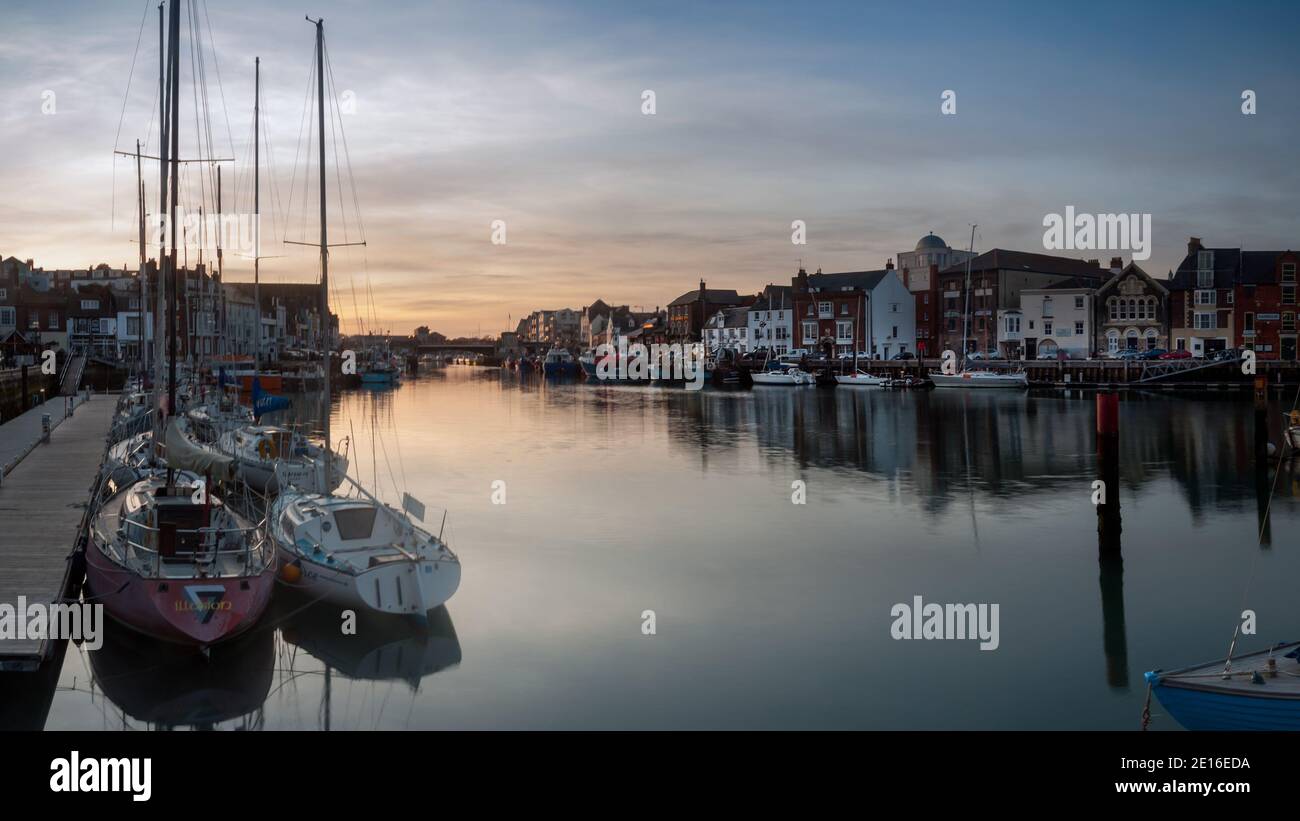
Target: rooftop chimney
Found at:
x=889, y=264
x=1193, y=245
x=1117, y=263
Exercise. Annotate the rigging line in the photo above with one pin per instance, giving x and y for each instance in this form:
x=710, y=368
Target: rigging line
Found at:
x=129, y=77
x=216, y=66
x=334, y=114
x=293, y=181
x=347, y=156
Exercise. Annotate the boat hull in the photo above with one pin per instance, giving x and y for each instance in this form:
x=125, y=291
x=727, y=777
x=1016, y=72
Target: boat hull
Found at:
x=1204, y=710
x=860, y=381
x=401, y=588
x=560, y=368
x=192, y=611
x=972, y=382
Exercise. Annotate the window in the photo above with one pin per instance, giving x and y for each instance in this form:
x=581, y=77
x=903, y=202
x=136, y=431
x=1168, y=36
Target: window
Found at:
x=1112, y=305
x=1031, y=324
x=1047, y=328
x=844, y=309
x=1288, y=294
x=1230, y=296
x=1206, y=320
x=1205, y=269
x=893, y=307
x=8, y=316
x=824, y=310
x=1078, y=303
x=925, y=300
x=812, y=309
x=54, y=320
x=90, y=304
x=1205, y=297
x=1013, y=324
x=1288, y=321
x=1047, y=306
x=1288, y=272
x=4, y=293
x=1078, y=328
x=1250, y=323
x=1152, y=339
x=894, y=334
x=810, y=332
x=843, y=331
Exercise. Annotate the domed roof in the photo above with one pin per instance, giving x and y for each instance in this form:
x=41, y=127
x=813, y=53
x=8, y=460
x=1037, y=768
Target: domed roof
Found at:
x=930, y=242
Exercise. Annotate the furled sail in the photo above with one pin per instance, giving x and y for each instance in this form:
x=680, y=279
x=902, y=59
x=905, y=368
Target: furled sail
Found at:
x=183, y=453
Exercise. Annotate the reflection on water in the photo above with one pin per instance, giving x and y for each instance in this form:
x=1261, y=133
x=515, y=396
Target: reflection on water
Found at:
x=769, y=614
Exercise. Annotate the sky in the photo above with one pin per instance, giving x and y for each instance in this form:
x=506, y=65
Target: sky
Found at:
x=456, y=115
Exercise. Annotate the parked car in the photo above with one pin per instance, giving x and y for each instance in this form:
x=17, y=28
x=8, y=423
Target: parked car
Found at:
x=1225, y=355
x=1129, y=353
x=979, y=355
x=903, y=355
x=1183, y=354
x=849, y=355
x=1153, y=353
x=1052, y=354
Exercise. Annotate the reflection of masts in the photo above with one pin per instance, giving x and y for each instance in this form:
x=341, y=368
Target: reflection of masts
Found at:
x=965, y=311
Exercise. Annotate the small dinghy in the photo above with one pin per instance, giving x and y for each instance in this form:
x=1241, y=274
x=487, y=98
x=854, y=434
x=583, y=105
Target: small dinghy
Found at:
x=791, y=376
x=1259, y=691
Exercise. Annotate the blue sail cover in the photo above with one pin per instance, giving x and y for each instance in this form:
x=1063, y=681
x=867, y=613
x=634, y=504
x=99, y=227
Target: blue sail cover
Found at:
x=266, y=402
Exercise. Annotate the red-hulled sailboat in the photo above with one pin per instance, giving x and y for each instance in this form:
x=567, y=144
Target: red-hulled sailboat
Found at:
x=166, y=556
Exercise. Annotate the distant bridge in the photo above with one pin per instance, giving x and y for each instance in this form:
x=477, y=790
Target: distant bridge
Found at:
x=452, y=347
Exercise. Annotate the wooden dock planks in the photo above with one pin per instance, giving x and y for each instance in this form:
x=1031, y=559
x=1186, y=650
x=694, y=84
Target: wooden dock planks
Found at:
x=42, y=503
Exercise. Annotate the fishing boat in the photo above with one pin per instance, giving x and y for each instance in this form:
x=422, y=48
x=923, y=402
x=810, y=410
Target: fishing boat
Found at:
x=270, y=457
x=860, y=379
x=380, y=371
x=167, y=558
x=559, y=362
x=976, y=379
x=351, y=547
x=1258, y=691
x=360, y=553
x=587, y=361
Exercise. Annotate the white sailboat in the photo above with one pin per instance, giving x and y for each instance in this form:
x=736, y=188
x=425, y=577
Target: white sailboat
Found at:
x=976, y=379
x=352, y=548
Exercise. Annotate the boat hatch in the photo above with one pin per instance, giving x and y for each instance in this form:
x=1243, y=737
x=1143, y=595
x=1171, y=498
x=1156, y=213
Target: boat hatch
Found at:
x=179, y=524
x=355, y=523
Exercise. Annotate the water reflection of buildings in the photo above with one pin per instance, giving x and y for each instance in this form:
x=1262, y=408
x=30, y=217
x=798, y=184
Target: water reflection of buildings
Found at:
x=1007, y=448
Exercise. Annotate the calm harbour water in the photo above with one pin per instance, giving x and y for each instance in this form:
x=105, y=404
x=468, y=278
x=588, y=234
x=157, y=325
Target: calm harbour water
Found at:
x=768, y=614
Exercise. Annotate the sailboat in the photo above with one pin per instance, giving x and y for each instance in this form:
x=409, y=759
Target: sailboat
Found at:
x=268, y=457
x=165, y=556
x=859, y=378
x=353, y=549
x=975, y=378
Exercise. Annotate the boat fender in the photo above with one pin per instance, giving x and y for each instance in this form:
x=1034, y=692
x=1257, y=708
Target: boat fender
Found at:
x=1256, y=678
x=267, y=449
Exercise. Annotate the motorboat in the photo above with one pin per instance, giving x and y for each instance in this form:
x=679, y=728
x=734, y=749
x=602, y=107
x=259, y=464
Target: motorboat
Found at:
x=559, y=362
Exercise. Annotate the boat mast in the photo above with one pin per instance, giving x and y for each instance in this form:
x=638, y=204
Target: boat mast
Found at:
x=965, y=313
x=257, y=228
x=161, y=307
x=141, y=282
x=173, y=128
x=219, y=295
x=324, y=240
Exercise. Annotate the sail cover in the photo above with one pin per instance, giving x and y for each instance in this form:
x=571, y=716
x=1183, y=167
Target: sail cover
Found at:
x=183, y=453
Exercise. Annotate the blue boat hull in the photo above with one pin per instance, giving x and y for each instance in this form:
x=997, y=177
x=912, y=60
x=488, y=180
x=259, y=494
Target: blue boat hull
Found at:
x=379, y=378
x=1201, y=710
x=560, y=368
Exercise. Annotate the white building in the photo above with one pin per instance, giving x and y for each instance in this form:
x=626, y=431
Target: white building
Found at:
x=1057, y=320
x=728, y=328
x=771, y=320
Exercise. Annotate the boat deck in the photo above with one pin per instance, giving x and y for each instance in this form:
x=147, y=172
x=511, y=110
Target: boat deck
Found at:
x=42, y=504
x=1282, y=682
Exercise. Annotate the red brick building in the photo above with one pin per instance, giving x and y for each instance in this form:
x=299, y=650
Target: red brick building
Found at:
x=1229, y=298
